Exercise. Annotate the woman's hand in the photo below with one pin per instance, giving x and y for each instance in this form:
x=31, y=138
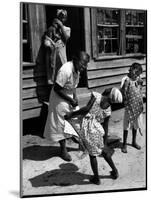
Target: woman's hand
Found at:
x=68, y=116
x=76, y=99
x=74, y=103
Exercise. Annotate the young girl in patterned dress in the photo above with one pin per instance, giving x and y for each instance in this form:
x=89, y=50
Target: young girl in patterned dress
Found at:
x=133, y=100
x=90, y=130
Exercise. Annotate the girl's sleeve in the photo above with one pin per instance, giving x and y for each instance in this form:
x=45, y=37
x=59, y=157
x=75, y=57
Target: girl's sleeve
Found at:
x=123, y=81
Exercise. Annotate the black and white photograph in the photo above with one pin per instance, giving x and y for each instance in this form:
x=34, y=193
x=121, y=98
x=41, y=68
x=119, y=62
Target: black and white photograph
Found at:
x=83, y=96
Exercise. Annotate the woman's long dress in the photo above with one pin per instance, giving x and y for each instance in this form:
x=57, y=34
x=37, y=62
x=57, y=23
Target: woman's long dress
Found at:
x=68, y=79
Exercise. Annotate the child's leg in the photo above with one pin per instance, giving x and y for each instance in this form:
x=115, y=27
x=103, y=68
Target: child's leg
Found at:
x=94, y=166
x=124, y=147
x=125, y=132
x=108, y=159
x=134, y=144
x=105, y=127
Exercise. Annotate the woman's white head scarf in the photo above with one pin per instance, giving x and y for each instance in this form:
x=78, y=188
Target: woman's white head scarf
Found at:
x=116, y=95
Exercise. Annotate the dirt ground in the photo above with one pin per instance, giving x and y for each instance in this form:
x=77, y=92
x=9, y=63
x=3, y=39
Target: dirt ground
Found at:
x=44, y=172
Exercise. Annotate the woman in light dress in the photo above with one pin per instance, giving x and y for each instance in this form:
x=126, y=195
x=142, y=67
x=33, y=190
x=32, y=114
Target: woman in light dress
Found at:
x=63, y=99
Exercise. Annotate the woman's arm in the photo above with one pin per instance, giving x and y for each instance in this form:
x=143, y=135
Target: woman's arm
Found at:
x=59, y=90
x=64, y=34
x=82, y=111
x=105, y=125
x=75, y=95
x=124, y=89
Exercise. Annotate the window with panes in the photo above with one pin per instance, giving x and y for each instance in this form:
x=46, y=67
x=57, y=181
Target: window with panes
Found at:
x=118, y=32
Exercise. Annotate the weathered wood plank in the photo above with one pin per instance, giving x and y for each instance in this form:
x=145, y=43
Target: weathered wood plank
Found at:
x=33, y=108
x=43, y=93
x=87, y=28
x=30, y=73
x=107, y=80
x=122, y=32
x=28, y=64
x=29, y=93
x=81, y=91
x=37, y=22
x=34, y=103
x=102, y=88
x=94, y=35
x=30, y=103
x=83, y=99
x=36, y=92
x=33, y=82
x=27, y=114
x=109, y=72
x=114, y=63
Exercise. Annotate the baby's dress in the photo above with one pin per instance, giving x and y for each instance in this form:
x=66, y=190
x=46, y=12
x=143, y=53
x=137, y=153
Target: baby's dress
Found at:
x=90, y=130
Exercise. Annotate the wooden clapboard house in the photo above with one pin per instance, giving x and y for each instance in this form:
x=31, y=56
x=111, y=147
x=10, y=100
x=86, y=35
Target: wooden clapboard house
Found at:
x=114, y=38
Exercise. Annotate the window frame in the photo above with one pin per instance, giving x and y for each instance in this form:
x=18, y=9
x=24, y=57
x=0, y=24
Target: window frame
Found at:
x=122, y=36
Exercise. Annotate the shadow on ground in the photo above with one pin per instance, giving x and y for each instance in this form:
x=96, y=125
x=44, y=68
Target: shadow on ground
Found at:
x=39, y=153
x=69, y=176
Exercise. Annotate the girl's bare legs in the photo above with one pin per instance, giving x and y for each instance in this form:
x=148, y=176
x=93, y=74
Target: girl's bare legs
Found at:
x=105, y=127
x=108, y=159
x=94, y=165
x=64, y=153
x=124, y=147
x=134, y=144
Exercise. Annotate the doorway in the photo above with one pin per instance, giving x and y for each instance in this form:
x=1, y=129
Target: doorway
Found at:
x=76, y=41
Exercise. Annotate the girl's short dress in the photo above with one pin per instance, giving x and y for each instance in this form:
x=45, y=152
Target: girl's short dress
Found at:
x=89, y=127
x=133, y=104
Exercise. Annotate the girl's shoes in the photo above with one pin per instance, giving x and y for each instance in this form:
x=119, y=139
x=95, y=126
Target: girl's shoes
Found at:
x=114, y=174
x=135, y=145
x=124, y=149
x=95, y=180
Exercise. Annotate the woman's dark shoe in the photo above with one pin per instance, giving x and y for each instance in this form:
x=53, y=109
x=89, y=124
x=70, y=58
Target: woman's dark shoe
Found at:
x=135, y=145
x=124, y=149
x=114, y=174
x=95, y=180
x=66, y=156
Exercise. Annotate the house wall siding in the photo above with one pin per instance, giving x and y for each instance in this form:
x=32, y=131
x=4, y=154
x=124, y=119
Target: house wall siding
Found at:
x=101, y=74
